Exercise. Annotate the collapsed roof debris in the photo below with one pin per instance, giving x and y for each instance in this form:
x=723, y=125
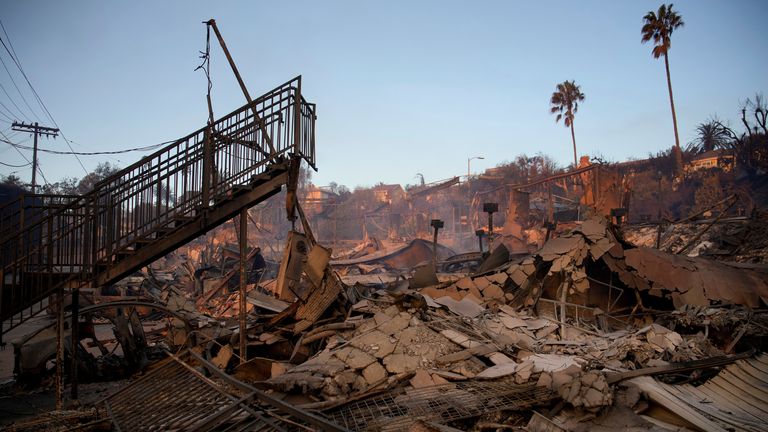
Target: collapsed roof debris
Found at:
x=586, y=327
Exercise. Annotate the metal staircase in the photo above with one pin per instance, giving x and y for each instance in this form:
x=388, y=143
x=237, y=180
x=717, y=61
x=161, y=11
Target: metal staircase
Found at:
x=150, y=208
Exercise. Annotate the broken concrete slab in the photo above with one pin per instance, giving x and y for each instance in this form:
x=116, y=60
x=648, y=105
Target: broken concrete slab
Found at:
x=399, y=363
x=396, y=324
x=375, y=342
x=493, y=292
x=422, y=379
x=354, y=358
x=498, y=371
x=466, y=307
x=374, y=373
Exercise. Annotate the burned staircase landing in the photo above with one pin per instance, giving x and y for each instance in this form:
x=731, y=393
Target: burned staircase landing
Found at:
x=51, y=243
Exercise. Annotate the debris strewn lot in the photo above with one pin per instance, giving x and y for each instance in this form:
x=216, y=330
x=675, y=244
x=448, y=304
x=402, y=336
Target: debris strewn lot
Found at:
x=588, y=331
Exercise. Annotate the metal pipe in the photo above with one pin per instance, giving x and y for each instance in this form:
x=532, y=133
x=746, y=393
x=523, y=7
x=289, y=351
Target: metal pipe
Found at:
x=490, y=208
x=75, y=342
x=436, y=224
x=243, y=281
x=60, y=349
x=212, y=23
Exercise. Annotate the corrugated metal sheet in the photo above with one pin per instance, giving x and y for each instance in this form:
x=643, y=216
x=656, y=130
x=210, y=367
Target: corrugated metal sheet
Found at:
x=737, y=398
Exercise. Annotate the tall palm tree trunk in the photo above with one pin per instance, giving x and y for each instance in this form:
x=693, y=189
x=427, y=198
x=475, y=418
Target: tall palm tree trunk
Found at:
x=678, y=155
x=573, y=138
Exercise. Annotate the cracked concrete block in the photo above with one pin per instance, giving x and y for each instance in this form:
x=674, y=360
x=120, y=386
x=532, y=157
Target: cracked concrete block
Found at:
x=588, y=379
x=498, y=371
x=593, y=398
x=465, y=283
x=545, y=380
x=354, y=358
x=375, y=343
x=518, y=277
x=374, y=373
x=399, y=363
x=437, y=379
x=473, y=291
x=511, y=322
x=523, y=372
x=396, y=324
x=498, y=358
x=493, y=292
x=481, y=283
x=346, y=378
x=422, y=379
x=381, y=318
x=392, y=311
x=499, y=278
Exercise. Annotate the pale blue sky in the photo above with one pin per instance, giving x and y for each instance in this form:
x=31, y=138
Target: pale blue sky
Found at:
x=402, y=87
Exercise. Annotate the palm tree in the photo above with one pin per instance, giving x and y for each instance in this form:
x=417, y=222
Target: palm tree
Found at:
x=711, y=135
x=659, y=27
x=565, y=102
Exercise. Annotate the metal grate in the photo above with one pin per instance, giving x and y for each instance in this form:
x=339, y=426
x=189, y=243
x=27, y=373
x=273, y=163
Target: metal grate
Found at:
x=442, y=403
x=177, y=396
x=170, y=397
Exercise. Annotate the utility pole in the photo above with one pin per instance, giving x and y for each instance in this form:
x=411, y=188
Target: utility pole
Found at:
x=36, y=130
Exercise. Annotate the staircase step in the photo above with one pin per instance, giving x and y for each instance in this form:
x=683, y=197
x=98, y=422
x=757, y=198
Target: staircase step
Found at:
x=180, y=220
x=236, y=189
x=140, y=243
x=124, y=254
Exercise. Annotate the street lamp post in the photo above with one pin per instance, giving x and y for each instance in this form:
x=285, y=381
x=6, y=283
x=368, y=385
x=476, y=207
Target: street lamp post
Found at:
x=469, y=189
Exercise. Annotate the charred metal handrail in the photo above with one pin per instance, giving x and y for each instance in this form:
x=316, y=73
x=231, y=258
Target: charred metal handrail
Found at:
x=73, y=242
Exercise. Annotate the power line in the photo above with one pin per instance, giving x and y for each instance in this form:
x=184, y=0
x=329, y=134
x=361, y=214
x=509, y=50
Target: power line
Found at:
x=151, y=147
x=11, y=99
x=13, y=81
x=16, y=166
x=8, y=38
x=4, y=115
x=39, y=99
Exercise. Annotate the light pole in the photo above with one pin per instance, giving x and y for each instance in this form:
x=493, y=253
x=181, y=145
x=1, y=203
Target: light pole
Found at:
x=469, y=189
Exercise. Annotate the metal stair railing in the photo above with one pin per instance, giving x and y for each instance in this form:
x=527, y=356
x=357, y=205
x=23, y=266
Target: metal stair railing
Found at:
x=72, y=242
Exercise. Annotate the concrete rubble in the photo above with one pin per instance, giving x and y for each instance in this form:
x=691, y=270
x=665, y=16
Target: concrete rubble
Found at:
x=592, y=324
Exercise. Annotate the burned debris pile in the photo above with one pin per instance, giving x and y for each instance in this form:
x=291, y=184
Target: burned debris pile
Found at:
x=588, y=332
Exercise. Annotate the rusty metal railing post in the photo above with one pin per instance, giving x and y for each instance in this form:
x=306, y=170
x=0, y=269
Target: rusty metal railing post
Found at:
x=110, y=227
x=297, y=119
x=60, y=348
x=74, y=333
x=2, y=294
x=94, y=250
x=21, y=226
x=207, y=156
x=312, y=141
x=243, y=282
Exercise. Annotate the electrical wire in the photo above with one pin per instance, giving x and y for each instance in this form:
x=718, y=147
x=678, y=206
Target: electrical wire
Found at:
x=39, y=99
x=13, y=81
x=16, y=166
x=11, y=99
x=151, y=147
x=14, y=57
x=5, y=115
